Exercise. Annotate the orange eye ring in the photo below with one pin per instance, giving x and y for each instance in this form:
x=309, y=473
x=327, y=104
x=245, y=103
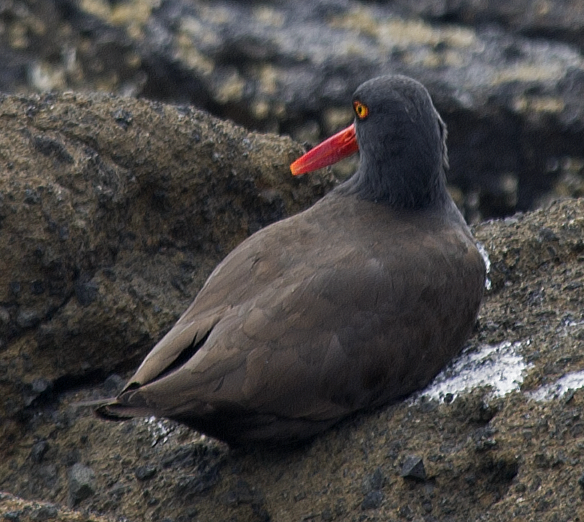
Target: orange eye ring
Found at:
x=361, y=110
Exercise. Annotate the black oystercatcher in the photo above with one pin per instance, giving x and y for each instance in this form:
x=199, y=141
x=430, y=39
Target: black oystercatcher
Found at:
x=354, y=303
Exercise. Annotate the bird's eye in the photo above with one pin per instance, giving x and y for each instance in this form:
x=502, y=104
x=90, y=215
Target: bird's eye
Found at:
x=361, y=110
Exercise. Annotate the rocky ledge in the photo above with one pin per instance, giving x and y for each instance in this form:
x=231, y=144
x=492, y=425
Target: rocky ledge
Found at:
x=112, y=213
x=508, y=79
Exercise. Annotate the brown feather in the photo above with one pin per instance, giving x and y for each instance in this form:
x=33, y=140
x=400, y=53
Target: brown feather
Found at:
x=341, y=325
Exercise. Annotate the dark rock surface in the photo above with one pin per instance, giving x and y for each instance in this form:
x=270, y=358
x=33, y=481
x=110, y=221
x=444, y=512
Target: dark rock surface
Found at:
x=127, y=268
x=508, y=78
x=109, y=229
x=559, y=21
x=81, y=483
x=113, y=211
x=413, y=468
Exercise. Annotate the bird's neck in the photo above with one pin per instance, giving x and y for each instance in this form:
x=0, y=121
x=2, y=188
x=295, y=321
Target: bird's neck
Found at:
x=396, y=186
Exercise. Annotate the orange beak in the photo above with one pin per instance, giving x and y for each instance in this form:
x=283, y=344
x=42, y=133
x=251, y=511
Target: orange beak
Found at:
x=330, y=151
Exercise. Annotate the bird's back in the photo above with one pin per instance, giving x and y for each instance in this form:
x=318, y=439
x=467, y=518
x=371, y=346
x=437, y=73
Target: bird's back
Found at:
x=346, y=306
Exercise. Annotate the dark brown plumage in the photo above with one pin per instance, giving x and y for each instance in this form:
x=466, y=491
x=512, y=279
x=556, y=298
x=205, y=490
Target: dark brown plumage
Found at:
x=354, y=303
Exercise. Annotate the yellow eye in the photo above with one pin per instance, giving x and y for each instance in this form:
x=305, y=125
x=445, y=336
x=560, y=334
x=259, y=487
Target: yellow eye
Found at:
x=361, y=110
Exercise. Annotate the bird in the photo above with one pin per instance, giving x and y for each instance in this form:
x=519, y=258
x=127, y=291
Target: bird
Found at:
x=350, y=305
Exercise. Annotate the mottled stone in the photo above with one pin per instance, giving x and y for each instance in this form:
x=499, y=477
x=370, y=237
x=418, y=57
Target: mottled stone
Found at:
x=81, y=483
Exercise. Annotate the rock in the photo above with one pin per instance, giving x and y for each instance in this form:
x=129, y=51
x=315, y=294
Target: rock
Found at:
x=156, y=200
x=81, y=483
x=372, y=500
x=484, y=438
x=38, y=451
x=522, y=17
x=145, y=472
x=413, y=468
x=127, y=205
x=48, y=475
x=45, y=513
x=86, y=293
x=373, y=482
x=190, y=486
x=508, y=80
x=516, y=449
x=27, y=319
x=16, y=509
x=38, y=388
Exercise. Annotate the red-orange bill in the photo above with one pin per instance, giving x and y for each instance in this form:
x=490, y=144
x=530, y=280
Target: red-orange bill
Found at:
x=330, y=151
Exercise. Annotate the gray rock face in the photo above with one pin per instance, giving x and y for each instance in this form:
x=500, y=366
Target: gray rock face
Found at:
x=81, y=483
x=132, y=259
x=508, y=79
x=413, y=468
x=113, y=211
x=127, y=220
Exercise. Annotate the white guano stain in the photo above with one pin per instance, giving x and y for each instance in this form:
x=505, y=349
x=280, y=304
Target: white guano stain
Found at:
x=500, y=366
x=556, y=390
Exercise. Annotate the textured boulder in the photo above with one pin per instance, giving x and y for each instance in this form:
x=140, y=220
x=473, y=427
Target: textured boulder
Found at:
x=488, y=452
x=18, y=509
x=507, y=78
x=112, y=213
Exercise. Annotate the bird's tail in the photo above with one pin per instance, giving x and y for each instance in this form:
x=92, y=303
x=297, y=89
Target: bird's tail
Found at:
x=118, y=410
x=114, y=409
